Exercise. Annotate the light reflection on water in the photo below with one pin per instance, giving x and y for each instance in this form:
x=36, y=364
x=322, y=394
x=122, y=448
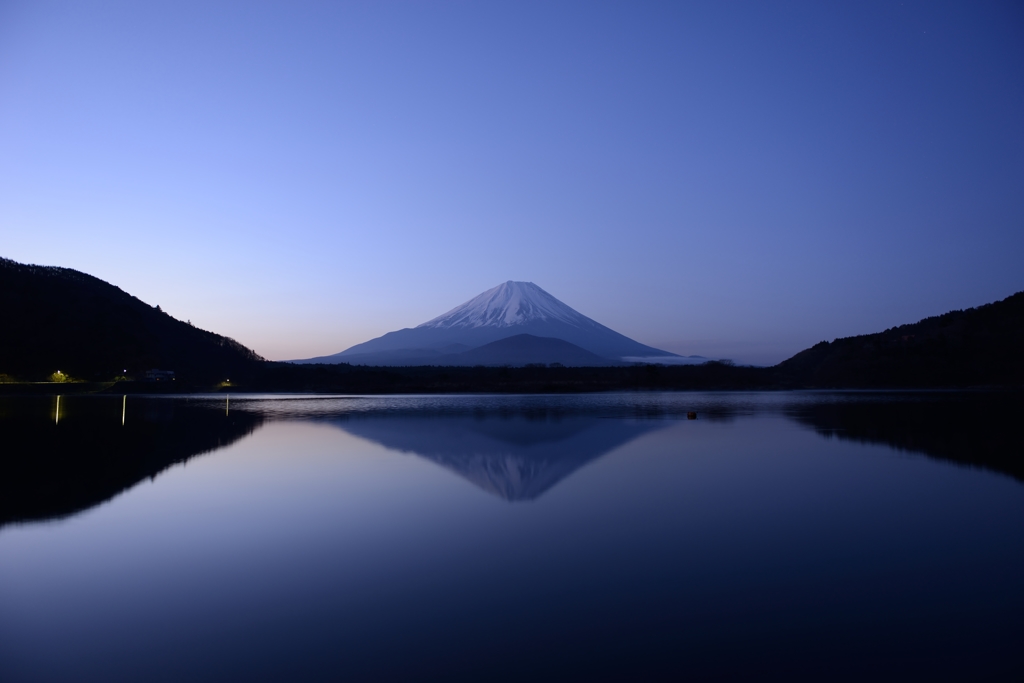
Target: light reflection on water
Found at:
x=806, y=536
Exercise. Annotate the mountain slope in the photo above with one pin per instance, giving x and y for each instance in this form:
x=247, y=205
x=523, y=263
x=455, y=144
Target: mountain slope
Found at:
x=523, y=349
x=516, y=351
x=977, y=346
x=509, y=309
x=61, y=319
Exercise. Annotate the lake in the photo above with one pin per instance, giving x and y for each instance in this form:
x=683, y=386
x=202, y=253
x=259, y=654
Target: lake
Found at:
x=787, y=535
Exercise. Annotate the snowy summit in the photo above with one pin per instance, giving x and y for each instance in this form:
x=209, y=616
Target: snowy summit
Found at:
x=510, y=303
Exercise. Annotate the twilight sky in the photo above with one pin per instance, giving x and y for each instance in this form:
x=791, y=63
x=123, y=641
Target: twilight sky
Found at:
x=728, y=179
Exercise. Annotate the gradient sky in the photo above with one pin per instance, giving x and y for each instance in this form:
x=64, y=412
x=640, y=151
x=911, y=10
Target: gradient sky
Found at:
x=729, y=179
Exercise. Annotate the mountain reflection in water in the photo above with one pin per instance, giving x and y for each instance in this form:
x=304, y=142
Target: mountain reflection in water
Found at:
x=56, y=465
x=515, y=457
x=781, y=536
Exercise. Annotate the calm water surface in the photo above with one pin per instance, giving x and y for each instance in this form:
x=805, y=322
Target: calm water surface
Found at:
x=798, y=536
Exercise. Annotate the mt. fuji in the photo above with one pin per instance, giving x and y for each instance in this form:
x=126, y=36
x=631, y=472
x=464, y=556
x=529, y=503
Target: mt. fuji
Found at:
x=512, y=309
x=508, y=304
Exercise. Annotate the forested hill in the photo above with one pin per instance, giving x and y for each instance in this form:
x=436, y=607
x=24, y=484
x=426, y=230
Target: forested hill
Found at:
x=981, y=346
x=61, y=319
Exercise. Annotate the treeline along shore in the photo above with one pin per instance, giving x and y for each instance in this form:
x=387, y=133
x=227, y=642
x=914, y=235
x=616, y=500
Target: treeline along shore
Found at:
x=67, y=332
x=284, y=377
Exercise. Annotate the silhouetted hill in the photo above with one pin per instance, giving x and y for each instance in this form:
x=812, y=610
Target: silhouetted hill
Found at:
x=981, y=346
x=61, y=319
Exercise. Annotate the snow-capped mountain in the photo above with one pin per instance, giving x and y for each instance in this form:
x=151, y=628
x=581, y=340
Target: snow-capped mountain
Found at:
x=510, y=303
x=510, y=309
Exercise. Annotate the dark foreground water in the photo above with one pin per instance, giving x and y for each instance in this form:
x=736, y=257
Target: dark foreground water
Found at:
x=806, y=536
